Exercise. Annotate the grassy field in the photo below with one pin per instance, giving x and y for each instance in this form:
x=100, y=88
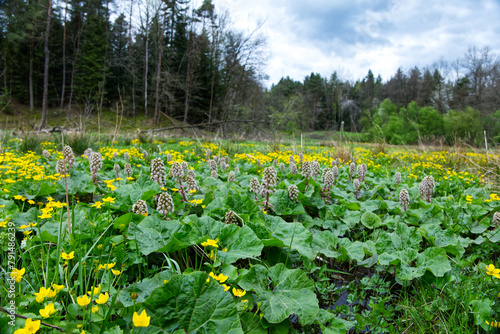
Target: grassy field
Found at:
x=159, y=234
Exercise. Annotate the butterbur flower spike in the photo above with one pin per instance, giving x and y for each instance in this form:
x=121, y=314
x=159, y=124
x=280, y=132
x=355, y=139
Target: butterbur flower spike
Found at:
x=140, y=208
x=293, y=192
x=164, y=204
x=68, y=156
x=404, y=199
x=397, y=178
x=158, y=171
x=293, y=168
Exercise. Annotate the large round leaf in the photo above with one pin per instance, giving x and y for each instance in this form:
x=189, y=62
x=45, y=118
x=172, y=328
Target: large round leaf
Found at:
x=190, y=304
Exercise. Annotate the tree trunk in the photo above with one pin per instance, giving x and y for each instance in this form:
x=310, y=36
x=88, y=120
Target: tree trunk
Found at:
x=189, y=58
x=130, y=57
x=158, y=74
x=46, y=68
x=64, y=58
x=30, y=77
x=146, y=79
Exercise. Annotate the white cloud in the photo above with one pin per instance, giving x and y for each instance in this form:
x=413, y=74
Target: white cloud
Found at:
x=355, y=36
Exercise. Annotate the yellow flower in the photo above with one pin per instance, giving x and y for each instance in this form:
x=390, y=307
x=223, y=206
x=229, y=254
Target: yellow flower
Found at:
x=141, y=320
x=210, y=242
x=41, y=294
x=116, y=272
x=3, y=224
x=226, y=287
x=95, y=290
x=95, y=309
x=97, y=204
x=494, y=323
x=17, y=274
x=21, y=331
x=31, y=202
x=31, y=326
x=68, y=256
x=224, y=249
x=103, y=298
x=106, y=266
x=491, y=270
x=221, y=277
x=108, y=199
x=45, y=215
x=48, y=310
x=83, y=300
x=111, y=187
x=239, y=292
x=51, y=293
x=212, y=255
x=57, y=288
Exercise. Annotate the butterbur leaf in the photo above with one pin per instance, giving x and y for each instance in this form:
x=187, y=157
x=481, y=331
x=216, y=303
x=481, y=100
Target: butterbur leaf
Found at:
x=155, y=235
x=239, y=242
x=283, y=206
x=143, y=288
x=435, y=260
x=189, y=304
x=370, y=220
x=290, y=292
x=291, y=233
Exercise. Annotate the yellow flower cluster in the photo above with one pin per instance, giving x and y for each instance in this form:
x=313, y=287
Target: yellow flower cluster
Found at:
x=492, y=271
x=30, y=327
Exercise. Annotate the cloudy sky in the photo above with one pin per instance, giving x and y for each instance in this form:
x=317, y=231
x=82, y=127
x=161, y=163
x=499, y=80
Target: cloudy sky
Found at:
x=353, y=36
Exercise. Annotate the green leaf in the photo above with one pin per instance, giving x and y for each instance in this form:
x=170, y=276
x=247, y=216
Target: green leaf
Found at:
x=155, y=235
x=370, y=220
x=251, y=324
x=123, y=221
x=373, y=205
x=325, y=242
x=240, y=242
x=291, y=292
x=435, y=260
x=143, y=288
x=351, y=218
x=190, y=304
x=78, y=182
x=291, y=233
x=482, y=312
x=203, y=228
x=283, y=206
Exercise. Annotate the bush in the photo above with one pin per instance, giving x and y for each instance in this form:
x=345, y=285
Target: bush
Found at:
x=465, y=125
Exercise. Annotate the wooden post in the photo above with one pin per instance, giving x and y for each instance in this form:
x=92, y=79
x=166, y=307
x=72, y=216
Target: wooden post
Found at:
x=486, y=144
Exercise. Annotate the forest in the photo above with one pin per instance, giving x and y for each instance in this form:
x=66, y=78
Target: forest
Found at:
x=171, y=61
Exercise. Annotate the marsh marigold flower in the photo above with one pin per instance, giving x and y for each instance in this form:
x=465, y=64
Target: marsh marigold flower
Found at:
x=239, y=292
x=17, y=274
x=103, y=298
x=30, y=327
x=491, y=270
x=141, y=320
x=83, y=300
x=41, y=294
x=210, y=242
x=68, y=256
x=48, y=310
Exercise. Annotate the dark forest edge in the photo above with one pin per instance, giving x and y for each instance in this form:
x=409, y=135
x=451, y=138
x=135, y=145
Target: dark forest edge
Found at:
x=175, y=65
